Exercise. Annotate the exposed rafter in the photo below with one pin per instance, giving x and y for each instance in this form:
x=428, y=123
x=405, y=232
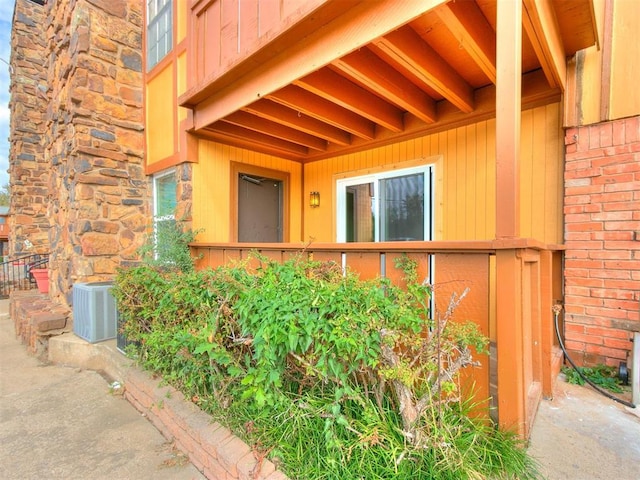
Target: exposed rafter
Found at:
x=274, y=129
x=473, y=32
x=279, y=113
x=365, y=67
x=333, y=87
x=324, y=110
x=540, y=24
x=406, y=48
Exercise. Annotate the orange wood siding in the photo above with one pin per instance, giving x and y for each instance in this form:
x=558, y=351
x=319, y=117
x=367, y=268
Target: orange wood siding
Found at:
x=625, y=60
x=465, y=179
x=227, y=32
x=603, y=78
x=212, y=207
x=160, y=116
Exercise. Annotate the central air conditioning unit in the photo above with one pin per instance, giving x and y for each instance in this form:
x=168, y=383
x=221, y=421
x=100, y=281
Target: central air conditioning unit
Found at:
x=95, y=316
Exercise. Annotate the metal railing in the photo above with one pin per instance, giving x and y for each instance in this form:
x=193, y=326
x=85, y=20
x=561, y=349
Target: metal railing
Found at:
x=15, y=274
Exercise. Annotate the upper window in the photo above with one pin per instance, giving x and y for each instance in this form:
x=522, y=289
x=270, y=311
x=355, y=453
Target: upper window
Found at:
x=386, y=207
x=159, y=30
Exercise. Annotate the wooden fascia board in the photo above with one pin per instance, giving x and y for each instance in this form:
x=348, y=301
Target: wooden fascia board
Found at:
x=406, y=48
x=473, y=32
x=366, y=67
x=540, y=23
x=338, y=38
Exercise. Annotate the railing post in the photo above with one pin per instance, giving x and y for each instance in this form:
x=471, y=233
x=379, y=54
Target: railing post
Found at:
x=511, y=397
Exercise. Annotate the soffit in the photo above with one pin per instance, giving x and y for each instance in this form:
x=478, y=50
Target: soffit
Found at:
x=434, y=73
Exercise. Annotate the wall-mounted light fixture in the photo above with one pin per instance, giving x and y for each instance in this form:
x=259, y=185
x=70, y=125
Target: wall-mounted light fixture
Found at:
x=314, y=199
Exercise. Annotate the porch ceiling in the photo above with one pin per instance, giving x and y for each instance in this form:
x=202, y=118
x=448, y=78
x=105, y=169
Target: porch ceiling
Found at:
x=434, y=73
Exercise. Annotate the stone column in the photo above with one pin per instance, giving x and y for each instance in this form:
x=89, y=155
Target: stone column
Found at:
x=28, y=169
x=98, y=194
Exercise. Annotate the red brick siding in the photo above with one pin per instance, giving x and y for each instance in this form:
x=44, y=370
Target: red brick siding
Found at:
x=602, y=235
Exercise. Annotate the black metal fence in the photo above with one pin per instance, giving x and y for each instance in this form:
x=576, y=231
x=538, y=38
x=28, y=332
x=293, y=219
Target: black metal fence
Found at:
x=15, y=274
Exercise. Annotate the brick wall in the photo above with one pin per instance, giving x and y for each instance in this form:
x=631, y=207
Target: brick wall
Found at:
x=28, y=170
x=602, y=234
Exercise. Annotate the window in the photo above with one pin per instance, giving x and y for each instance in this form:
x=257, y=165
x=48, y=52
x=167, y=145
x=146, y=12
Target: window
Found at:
x=386, y=207
x=164, y=206
x=159, y=30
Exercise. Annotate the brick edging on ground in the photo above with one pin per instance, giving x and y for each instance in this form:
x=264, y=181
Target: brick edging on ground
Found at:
x=212, y=448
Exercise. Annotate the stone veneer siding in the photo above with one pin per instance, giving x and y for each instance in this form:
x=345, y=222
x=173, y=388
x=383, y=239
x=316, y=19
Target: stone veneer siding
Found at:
x=96, y=194
x=28, y=169
x=602, y=229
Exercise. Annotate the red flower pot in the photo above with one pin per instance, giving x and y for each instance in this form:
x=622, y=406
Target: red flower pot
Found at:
x=42, y=279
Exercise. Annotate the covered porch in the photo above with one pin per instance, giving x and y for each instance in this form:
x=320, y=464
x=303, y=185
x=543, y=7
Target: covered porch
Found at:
x=329, y=91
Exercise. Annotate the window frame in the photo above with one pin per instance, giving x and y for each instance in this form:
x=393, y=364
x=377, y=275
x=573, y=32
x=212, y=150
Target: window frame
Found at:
x=428, y=170
x=158, y=219
x=152, y=22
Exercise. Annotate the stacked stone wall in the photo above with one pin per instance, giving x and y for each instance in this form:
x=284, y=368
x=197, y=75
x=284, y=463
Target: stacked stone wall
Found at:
x=28, y=168
x=602, y=229
x=98, y=194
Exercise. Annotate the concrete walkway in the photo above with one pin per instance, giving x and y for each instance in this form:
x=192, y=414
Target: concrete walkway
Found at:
x=583, y=435
x=64, y=423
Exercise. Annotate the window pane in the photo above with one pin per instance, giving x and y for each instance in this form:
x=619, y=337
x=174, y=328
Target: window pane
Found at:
x=402, y=208
x=165, y=195
x=360, y=226
x=159, y=30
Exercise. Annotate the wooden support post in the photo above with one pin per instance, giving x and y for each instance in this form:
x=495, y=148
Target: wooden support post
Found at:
x=511, y=395
x=508, y=113
x=511, y=398
x=546, y=325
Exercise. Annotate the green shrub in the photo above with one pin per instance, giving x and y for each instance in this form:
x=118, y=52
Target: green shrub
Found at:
x=333, y=376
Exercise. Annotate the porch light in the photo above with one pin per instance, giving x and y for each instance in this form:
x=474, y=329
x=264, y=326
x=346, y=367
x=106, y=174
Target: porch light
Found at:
x=314, y=199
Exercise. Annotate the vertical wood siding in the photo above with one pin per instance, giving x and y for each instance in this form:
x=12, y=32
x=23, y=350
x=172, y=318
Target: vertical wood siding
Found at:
x=212, y=189
x=225, y=33
x=160, y=116
x=464, y=159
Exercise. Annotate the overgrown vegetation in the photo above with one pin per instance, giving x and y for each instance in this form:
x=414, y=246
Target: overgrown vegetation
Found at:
x=330, y=376
x=603, y=376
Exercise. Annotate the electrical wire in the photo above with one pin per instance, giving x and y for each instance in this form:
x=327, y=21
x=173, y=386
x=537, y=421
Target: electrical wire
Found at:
x=556, y=312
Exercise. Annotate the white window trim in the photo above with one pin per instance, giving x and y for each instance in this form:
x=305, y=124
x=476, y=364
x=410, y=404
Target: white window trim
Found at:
x=157, y=177
x=341, y=198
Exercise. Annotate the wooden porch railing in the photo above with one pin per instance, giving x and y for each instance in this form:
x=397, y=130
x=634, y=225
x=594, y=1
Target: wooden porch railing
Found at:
x=513, y=286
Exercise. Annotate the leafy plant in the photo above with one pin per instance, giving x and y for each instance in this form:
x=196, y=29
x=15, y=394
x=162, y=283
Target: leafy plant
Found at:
x=601, y=375
x=327, y=374
x=168, y=247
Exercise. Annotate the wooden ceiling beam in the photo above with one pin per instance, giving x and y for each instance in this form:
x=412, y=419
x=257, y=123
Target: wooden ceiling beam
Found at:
x=256, y=138
x=337, y=89
x=539, y=22
x=367, y=68
x=310, y=104
x=473, y=32
x=273, y=129
x=213, y=136
x=406, y=48
x=279, y=113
